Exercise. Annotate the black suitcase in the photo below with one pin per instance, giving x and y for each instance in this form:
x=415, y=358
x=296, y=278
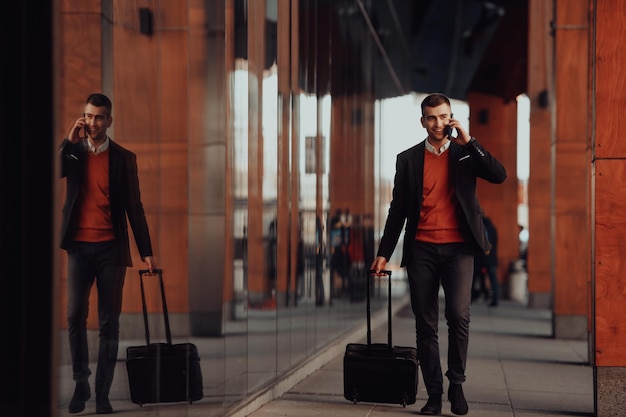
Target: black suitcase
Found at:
x=162, y=372
x=379, y=372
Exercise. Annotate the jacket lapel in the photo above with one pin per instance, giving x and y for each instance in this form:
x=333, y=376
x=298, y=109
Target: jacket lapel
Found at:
x=455, y=154
x=114, y=169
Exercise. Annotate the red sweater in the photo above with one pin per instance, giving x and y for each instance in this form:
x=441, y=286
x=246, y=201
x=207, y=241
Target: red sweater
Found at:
x=438, y=221
x=92, y=219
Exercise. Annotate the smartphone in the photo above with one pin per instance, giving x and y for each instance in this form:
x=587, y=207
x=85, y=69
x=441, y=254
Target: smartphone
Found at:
x=447, y=131
x=83, y=129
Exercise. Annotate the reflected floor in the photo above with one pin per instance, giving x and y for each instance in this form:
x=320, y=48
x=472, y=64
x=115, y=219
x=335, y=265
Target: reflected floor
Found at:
x=253, y=354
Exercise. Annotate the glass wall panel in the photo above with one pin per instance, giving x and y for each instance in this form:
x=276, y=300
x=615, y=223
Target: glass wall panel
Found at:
x=236, y=337
x=239, y=180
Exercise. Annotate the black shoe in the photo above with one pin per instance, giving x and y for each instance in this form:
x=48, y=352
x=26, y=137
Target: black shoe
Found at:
x=82, y=393
x=433, y=406
x=103, y=406
x=457, y=399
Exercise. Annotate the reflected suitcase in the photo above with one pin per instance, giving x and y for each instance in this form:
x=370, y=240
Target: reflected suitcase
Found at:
x=162, y=372
x=379, y=372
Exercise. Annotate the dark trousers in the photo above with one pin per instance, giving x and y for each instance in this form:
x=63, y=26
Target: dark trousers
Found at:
x=89, y=262
x=452, y=265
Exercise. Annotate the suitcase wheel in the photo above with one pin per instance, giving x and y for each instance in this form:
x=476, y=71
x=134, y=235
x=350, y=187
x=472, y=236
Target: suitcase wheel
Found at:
x=355, y=395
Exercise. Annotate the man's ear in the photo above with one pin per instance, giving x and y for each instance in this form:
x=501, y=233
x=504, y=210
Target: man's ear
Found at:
x=109, y=121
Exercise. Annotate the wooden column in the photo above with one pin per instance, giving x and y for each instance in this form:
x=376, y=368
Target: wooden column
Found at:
x=257, y=281
x=352, y=185
x=209, y=224
x=541, y=94
x=572, y=243
x=351, y=155
x=295, y=219
x=285, y=255
x=609, y=199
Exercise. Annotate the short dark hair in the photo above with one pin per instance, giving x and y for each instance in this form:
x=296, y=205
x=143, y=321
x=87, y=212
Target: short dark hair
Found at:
x=100, y=100
x=434, y=100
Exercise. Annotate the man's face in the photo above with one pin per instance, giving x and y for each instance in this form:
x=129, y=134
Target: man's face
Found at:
x=435, y=119
x=97, y=121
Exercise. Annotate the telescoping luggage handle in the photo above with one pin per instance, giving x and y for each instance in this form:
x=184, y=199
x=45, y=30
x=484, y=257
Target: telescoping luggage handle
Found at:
x=369, y=313
x=159, y=273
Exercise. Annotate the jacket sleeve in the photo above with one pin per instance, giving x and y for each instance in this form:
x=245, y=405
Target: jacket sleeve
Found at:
x=135, y=210
x=397, y=210
x=69, y=155
x=487, y=166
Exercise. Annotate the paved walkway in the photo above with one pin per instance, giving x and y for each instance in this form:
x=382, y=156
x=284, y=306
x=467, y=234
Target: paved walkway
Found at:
x=515, y=368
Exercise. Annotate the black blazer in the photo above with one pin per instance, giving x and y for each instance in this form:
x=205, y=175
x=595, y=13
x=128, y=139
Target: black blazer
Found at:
x=124, y=196
x=466, y=164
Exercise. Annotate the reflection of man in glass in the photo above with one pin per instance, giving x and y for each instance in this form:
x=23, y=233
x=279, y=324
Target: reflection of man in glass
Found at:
x=102, y=192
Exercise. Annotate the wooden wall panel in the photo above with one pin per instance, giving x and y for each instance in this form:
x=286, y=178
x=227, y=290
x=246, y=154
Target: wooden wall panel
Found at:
x=136, y=116
x=572, y=188
x=81, y=71
x=572, y=266
x=148, y=166
x=173, y=117
x=151, y=118
x=610, y=185
x=610, y=263
x=79, y=6
x=168, y=16
x=163, y=177
x=173, y=177
x=610, y=99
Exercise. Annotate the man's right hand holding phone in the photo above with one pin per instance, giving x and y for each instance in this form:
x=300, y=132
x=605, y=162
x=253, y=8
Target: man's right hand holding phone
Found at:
x=74, y=133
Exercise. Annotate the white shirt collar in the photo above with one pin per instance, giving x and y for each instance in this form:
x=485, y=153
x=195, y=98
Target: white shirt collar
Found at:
x=430, y=148
x=99, y=149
